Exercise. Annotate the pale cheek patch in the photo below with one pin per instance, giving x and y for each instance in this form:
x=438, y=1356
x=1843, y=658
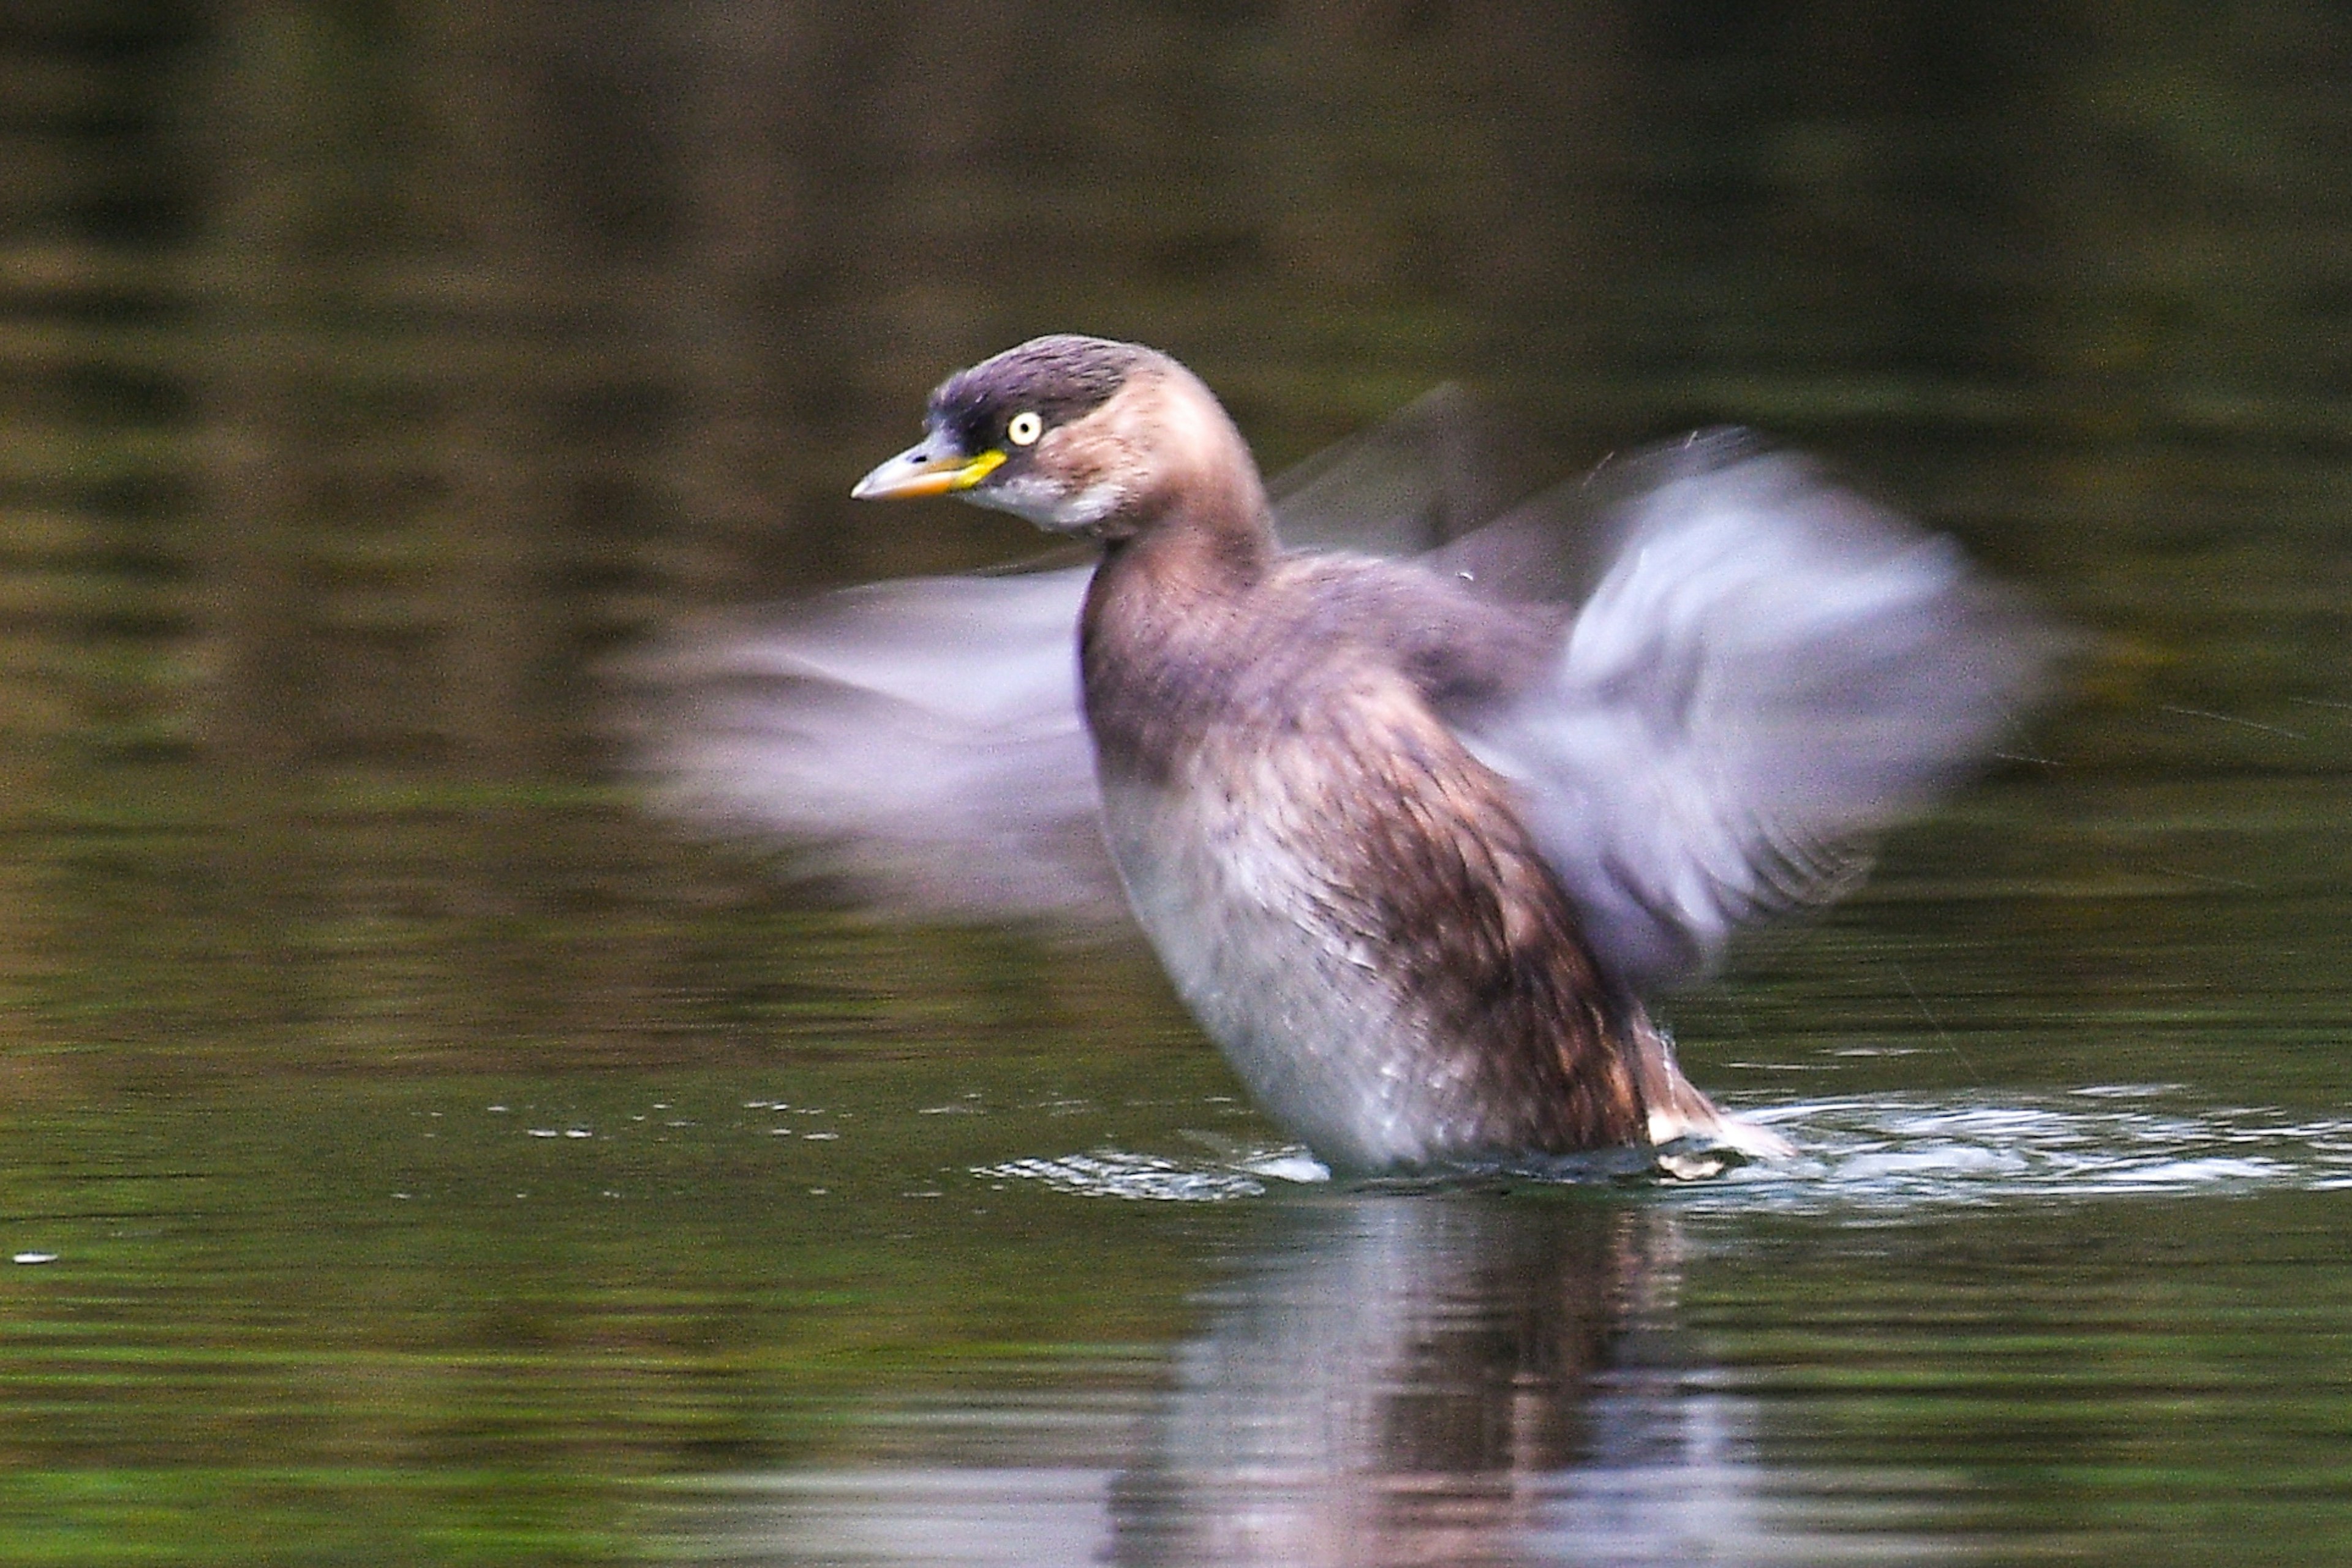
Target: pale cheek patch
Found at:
x=1049, y=505
x=1089, y=507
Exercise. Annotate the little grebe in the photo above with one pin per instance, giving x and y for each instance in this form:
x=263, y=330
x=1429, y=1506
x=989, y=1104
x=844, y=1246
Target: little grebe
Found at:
x=1411, y=837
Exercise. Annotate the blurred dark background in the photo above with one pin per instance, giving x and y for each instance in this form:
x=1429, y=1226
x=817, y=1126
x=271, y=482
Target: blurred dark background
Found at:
x=370, y=372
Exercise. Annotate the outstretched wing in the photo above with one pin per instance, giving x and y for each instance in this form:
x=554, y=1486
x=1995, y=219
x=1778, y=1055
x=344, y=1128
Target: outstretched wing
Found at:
x=918, y=739
x=1433, y=471
x=1769, y=670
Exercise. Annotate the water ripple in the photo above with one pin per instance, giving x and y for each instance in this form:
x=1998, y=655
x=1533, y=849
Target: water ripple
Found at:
x=1115, y=1173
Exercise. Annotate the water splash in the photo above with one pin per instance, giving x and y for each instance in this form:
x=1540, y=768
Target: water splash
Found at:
x=1900, y=1151
x=1115, y=1173
x=1872, y=1154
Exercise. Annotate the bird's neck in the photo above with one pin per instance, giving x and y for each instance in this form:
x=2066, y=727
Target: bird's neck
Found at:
x=1159, y=640
x=1204, y=547
x=1194, y=514
x=1200, y=532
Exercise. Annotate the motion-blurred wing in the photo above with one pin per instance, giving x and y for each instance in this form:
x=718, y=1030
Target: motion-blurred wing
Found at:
x=1428, y=473
x=920, y=740
x=1769, y=670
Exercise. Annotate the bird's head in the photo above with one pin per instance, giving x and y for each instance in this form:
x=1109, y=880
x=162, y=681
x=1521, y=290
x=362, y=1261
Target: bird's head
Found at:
x=1079, y=435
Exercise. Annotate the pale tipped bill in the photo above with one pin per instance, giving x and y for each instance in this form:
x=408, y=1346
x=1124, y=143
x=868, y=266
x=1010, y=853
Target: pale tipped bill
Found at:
x=933, y=466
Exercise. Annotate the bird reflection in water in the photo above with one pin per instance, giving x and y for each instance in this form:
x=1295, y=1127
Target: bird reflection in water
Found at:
x=1386, y=1379
x=1411, y=1380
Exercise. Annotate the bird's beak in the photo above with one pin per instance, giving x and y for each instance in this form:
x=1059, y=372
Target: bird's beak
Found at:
x=932, y=467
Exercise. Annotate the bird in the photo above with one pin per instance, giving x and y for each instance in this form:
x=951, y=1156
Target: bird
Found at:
x=1418, y=836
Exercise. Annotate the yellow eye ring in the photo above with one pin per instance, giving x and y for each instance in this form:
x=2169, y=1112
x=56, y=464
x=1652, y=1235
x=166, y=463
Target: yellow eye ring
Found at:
x=1024, y=428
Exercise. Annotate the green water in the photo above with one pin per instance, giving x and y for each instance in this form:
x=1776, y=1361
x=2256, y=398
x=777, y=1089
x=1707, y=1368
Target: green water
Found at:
x=1000, y=1269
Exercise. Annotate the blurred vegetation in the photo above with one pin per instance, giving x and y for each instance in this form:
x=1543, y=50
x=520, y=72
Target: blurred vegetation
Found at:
x=369, y=371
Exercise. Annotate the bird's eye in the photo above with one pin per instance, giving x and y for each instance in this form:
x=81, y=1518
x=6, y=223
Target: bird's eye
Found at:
x=1024, y=428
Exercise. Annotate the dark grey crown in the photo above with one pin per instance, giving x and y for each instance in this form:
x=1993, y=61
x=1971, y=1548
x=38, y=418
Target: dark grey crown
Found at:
x=1061, y=378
